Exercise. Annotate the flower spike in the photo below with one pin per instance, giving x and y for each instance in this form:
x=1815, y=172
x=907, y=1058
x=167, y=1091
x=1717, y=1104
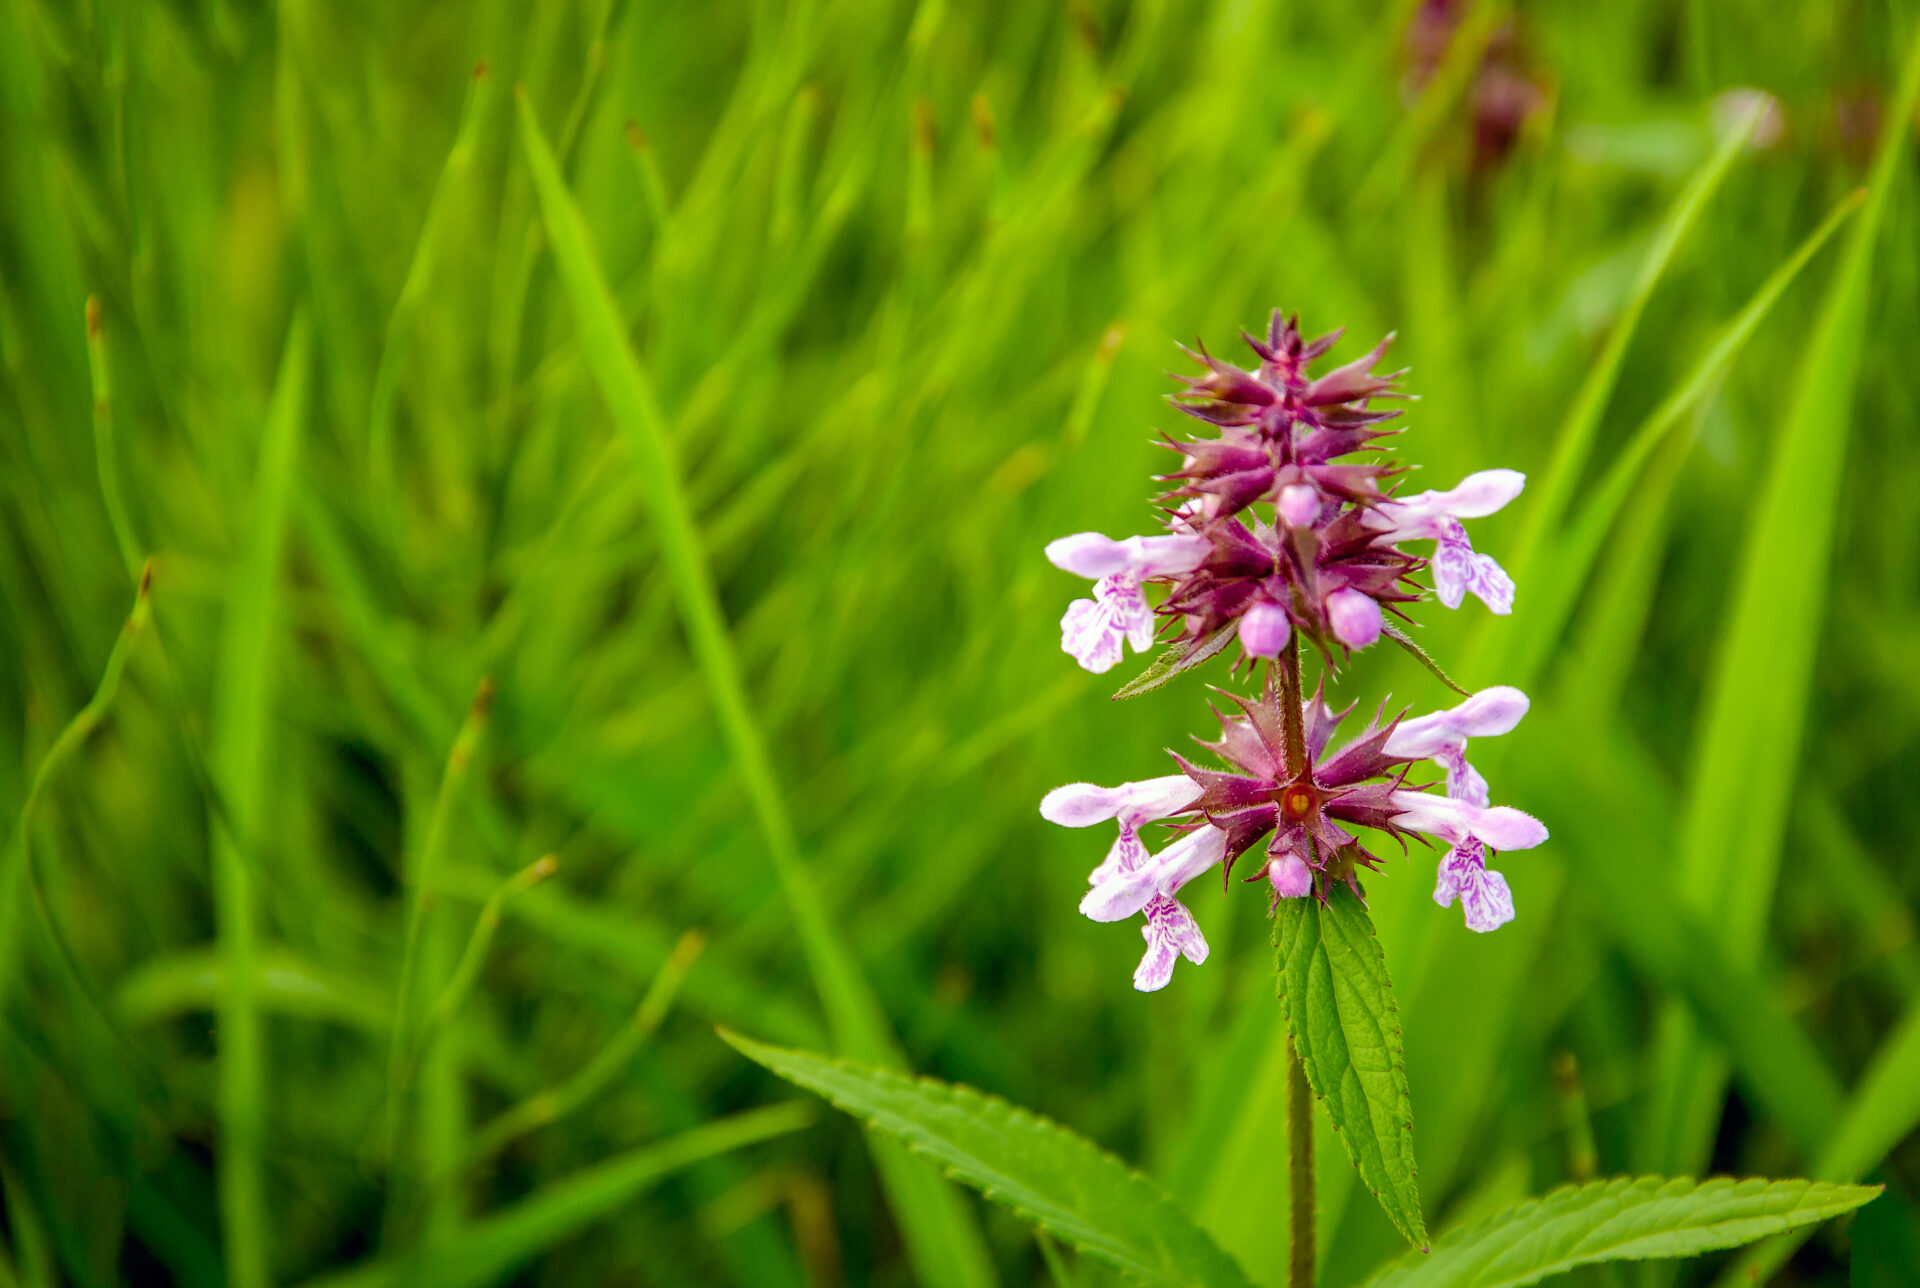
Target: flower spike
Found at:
x=1283, y=525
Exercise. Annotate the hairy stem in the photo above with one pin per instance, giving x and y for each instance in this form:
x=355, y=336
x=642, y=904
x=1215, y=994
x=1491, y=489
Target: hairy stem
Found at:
x=1299, y=1095
x=1300, y=1170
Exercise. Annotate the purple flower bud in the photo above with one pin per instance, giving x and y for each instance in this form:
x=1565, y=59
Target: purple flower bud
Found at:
x=1264, y=630
x=1354, y=617
x=1290, y=876
x=1299, y=505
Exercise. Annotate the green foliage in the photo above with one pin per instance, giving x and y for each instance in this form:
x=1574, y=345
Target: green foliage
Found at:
x=945, y=1247
x=1174, y=660
x=1625, y=1219
x=1338, y=1002
x=493, y=1247
x=1060, y=1181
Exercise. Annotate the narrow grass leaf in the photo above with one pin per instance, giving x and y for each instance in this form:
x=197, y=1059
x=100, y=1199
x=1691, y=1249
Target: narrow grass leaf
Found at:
x=1614, y=844
x=15, y=869
x=1623, y=1219
x=945, y=1245
x=105, y=450
x=1338, y=1002
x=554, y=1103
x=176, y=984
x=1574, y=443
x=492, y=1247
x=1748, y=746
x=237, y=759
x=1577, y=551
x=1056, y=1179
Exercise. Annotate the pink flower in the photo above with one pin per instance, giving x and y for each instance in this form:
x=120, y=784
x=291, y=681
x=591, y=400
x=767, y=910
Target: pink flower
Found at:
x=1130, y=804
x=1442, y=737
x=1435, y=516
x=1469, y=830
x=1093, y=630
x=1130, y=880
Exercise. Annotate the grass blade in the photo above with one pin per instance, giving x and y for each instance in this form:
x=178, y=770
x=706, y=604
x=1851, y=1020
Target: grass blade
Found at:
x=237, y=745
x=492, y=1247
x=413, y=291
x=554, y=1103
x=1755, y=709
x=945, y=1245
x=17, y=871
x=1574, y=443
x=1577, y=551
x=106, y=458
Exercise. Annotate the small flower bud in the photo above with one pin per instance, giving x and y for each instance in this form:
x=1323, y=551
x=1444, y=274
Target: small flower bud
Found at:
x=1299, y=505
x=1290, y=875
x=1354, y=616
x=1264, y=630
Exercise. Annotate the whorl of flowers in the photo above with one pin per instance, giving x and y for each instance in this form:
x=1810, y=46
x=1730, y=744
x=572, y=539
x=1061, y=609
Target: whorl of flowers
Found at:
x=1272, y=536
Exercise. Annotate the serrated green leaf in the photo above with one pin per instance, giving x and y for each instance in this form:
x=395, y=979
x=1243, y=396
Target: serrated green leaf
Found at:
x=1421, y=655
x=1338, y=1003
x=1060, y=1181
x=1623, y=1219
x=1183, y=656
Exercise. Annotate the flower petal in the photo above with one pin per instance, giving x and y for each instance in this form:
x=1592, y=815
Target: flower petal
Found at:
x=1119, y=897
x=1094, y=556
x=1458, y=568
x=1126, y=854
x=1170, y=932
x=1089, y=636
x=1506, y=828
x=1488, y=903
x=1198, y=851
x=1081, y=804
x=1088, y=554
x=1423, y=515
x=1453, y=821
x=1299, y=505
x=1479, y=494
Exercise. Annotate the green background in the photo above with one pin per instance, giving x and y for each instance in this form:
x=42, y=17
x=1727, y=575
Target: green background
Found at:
x=901, y=283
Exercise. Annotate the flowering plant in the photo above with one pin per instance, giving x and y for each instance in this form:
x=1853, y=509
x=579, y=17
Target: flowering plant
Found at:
x=1285, y=526
x=1290, y=524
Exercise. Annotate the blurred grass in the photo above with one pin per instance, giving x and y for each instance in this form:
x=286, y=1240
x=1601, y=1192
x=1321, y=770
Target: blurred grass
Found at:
x=901, y=281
